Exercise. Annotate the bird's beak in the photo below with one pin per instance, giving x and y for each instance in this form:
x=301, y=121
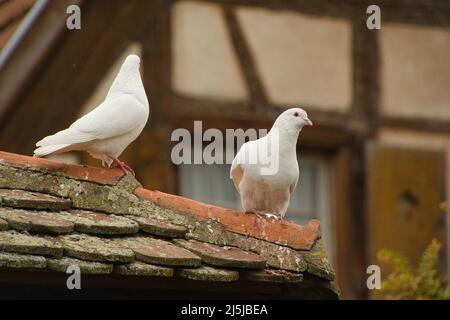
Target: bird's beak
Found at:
x=308, y=122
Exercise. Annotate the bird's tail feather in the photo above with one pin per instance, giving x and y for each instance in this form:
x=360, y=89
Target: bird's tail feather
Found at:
x=67, y=136
x=46, y=150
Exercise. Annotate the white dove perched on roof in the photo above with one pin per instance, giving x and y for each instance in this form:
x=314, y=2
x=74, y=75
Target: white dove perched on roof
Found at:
x=108, y=129
x=265, y=187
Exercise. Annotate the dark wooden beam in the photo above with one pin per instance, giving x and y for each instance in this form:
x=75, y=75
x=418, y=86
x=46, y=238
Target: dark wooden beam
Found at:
x=75, y=67
x=366, y=77
x=246, y=59
x=417, y=124
x=149, y=155
x=432, y=12
x=331, y=131
x=157, y=60
x=26, y=61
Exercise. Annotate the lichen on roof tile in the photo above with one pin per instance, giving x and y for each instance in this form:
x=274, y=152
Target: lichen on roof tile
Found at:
x=317, y=261
x=92, y=248
x=32, y=200
x=21, y=261
x=160, y=252
x=207, y=273
x=223, y=256
x=86, y=267
x=280, y=232
x=3, y=225
x=272, y=275
x=13, y=241
x=99, y=223
x=94, y=174
x=138, y=268
x=35, y=221
x=159, y=227
x=278, y=257
x=114, y=206
x=116, y=199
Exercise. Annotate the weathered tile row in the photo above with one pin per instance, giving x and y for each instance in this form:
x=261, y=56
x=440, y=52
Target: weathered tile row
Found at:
x=207, y=273
x=40, y=222
x=13, y=241
x=3, y=225
x=159, y=228
x=99, y=223
x=86, y=267
x=33, y=200
x=115, y=226
x=160, y=252
x=231, y=257
x=91, y=248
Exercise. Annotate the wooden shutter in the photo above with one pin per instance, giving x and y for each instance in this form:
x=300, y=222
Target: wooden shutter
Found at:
x=405, y=188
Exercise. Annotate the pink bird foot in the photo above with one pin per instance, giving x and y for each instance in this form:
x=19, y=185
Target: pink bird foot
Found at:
x=262, y=215
x=122, y=165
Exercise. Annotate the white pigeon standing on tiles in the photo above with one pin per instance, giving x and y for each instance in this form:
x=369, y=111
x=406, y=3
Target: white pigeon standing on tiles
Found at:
x=107, y=130
x=266, y=189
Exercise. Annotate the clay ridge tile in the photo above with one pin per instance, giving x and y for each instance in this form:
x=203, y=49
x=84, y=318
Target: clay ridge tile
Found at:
x=78, y=172
x=280, y=232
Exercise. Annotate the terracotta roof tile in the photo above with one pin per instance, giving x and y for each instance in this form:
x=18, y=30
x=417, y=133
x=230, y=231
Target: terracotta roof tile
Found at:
x=99, y=223
x=273, y=275
x=3, y=225
x=280, y=232
x=143, y=269
x=159, y=228
x=91, y=248
x=156, y=251
x=21, y=261
x=86, y=267
x=36, y=221
x=230, y=257
x=206, y=273
x=166, y=235
x=94, y=174
x=12, y=241
x=32, y=200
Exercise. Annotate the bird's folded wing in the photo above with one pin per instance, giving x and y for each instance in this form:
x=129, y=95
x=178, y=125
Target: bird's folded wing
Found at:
x=113, y=118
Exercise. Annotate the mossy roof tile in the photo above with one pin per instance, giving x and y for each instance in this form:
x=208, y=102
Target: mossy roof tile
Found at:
x=99, y=223
x=160, y=252
x=86, y=267
x=32, y=200
x=272, y=275
x=21, y=261
x=3, y=225
x=12, y=241
x=35, y=221
x=207, y=273
x=91, y=248
x=139, y=268
x=159, y=227
x=223, y=256
x=106, y=205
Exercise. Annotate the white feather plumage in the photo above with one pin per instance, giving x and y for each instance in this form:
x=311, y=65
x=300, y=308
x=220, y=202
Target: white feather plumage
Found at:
x=270, y=194
x=108, y=129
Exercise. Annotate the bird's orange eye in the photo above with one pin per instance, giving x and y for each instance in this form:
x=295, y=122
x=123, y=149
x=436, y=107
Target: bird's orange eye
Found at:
x=296, y=114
